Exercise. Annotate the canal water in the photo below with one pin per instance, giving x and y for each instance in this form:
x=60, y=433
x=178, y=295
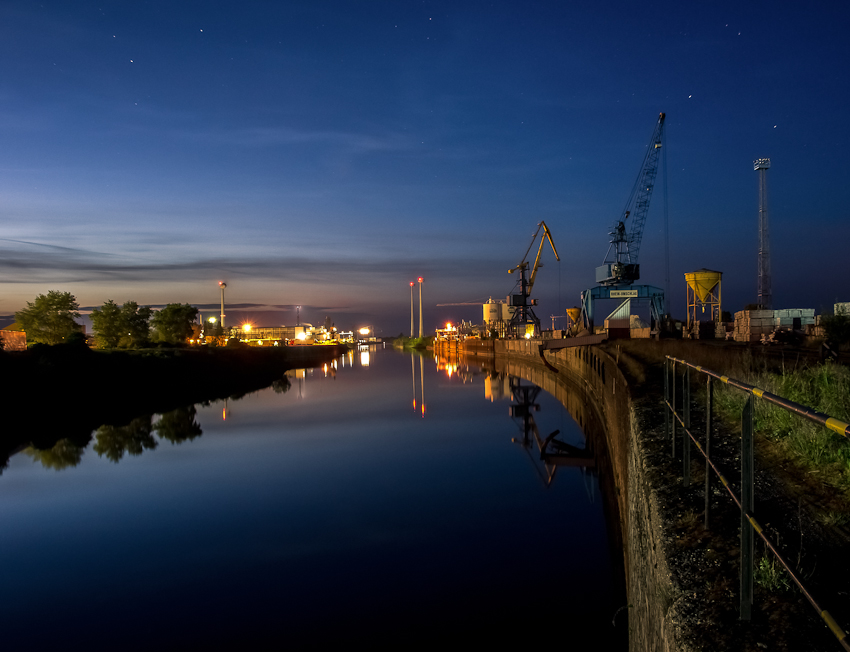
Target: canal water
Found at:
x=385, y=500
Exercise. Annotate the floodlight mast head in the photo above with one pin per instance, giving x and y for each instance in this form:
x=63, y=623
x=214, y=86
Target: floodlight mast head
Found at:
x=761, y=164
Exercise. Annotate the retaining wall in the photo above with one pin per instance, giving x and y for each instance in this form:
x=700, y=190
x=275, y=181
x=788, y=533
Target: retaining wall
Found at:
x=651, y=595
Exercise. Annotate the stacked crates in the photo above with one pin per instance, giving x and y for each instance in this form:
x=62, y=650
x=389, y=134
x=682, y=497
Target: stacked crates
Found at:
x=750, y=325
x=796, y=319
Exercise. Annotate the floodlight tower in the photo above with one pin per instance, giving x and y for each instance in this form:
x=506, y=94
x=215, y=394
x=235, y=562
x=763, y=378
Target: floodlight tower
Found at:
x=411, y=310
x=222, y=285
x=421, y=328
x=765, y=297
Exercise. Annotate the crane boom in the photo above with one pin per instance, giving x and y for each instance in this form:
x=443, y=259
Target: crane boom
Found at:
x=620, y=266
x=546, y=234
x=524, y=265
x=524, y=316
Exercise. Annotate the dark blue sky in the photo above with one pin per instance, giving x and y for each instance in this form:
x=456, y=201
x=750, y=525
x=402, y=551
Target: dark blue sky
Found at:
x=327, y=153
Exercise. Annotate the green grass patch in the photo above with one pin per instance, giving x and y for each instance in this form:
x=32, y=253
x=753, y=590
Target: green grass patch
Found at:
x=770, y=575
x=825, y=388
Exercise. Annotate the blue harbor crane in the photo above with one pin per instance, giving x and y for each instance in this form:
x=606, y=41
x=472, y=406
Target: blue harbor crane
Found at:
x=620, y=268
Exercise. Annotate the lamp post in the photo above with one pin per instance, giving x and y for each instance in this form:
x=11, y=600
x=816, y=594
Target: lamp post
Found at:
x=222, y=285
x=420, y=308
x=411, y=310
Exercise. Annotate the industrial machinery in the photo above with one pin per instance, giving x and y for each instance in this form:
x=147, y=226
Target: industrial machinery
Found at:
x=523, y=321
x=620, y=268
x=703, y=292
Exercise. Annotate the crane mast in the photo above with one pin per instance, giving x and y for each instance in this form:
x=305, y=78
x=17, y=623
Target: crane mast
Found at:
x=620, y=266
x=523, y=314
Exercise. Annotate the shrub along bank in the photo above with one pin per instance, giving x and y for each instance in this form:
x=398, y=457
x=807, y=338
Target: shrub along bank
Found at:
x=49, y=388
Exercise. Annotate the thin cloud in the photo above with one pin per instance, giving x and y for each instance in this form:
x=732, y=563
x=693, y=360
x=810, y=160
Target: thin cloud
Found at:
x=277, y=136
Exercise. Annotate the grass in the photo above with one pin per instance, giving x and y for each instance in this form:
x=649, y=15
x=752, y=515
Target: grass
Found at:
x=770, y=575
x=825, y=388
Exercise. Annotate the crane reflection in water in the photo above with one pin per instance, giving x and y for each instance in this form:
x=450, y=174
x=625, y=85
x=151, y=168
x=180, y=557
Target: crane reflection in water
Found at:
x=553, y=451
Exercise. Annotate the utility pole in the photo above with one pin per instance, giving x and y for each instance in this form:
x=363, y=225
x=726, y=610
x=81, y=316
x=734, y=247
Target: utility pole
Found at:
x=421, y=328
x=411, y=310
x=765, y=296
x=222, y=285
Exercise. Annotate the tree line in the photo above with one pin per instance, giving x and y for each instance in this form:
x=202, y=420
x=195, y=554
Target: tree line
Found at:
x=51, y=319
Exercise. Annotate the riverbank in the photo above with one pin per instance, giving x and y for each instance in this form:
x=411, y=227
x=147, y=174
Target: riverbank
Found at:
x=682, y=578
x=44, y=385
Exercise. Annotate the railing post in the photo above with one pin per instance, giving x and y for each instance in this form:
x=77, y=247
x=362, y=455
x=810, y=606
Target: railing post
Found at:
x=666, y=398
x=686, y=416
x=709, y=416
x=673, y=404
x=746, y=508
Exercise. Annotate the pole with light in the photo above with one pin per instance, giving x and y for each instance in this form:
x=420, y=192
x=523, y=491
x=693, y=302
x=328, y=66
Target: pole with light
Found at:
x=411, y=310
x=421, y=328
x=222, y=285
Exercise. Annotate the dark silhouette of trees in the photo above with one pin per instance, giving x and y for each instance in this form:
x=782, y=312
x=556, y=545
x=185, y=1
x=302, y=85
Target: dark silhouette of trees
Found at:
x=173, y=324
x=65, y=453
x=134, y=438
x=50, y=318
x=836, y=329
x=126, y=326
x=179, y=425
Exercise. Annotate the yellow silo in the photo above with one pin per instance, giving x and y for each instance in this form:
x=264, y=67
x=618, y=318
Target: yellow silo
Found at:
x=703, y=292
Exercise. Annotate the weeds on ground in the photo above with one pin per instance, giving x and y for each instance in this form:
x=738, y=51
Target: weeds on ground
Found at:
x=770, y=575
x=825, y=388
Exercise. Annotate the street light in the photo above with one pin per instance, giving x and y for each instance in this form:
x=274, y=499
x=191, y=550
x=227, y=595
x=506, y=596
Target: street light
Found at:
x=222, y=285
x=421, y=328
x=411, y=310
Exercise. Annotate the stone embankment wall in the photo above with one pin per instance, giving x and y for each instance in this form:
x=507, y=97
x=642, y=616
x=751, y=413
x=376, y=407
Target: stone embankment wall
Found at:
x=649, y=589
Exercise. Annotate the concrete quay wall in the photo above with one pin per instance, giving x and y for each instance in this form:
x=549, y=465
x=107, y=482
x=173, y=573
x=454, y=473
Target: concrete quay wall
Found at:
x=607, y=398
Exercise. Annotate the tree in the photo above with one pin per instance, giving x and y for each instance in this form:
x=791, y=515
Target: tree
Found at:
x=836, y=328
x=65, y=453
x=178, y=425
x=137, y=321
x=174, y=322
x=127, y=325
x=106, y=323
x=50, y=318
x=135, y=437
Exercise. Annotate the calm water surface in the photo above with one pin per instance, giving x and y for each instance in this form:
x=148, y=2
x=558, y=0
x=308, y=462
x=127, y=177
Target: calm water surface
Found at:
x=332, y=513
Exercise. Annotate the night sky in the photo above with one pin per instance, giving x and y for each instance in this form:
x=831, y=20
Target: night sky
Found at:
x=327, y=153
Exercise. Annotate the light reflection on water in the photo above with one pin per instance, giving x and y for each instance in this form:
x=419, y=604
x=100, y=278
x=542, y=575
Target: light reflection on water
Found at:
x=329, y=508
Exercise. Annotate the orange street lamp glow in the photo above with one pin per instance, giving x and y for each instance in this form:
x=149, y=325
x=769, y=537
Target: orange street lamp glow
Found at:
x=246, y=328
x=363, y=331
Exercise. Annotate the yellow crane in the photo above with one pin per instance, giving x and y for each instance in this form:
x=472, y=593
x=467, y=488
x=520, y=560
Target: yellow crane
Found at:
x=523, y=314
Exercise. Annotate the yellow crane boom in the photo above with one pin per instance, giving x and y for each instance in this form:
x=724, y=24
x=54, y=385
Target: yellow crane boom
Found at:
x=547, y=235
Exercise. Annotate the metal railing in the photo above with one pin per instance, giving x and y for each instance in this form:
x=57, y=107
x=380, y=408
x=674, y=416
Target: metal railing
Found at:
x=745, y=503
